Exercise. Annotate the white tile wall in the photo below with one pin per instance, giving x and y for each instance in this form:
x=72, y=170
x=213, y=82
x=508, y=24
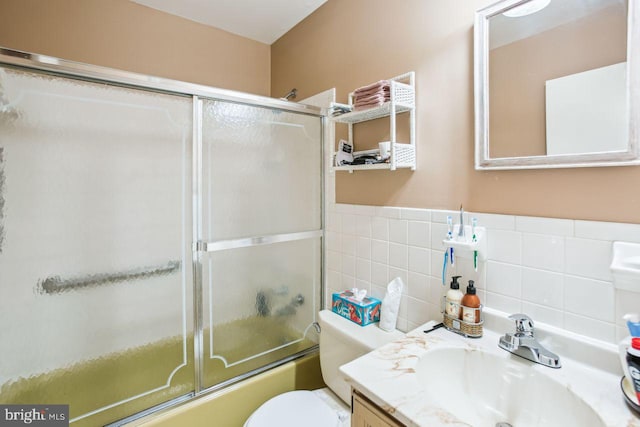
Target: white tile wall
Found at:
x=543, y=251
x=380, y=251
x=380, y=228
x=419, y=234
x=363, y=248
x=504, y=246
x=589, y=298
x=399, y=256
x=504, y=279
x=398, y=230
x=555, y=270
x=588, y=258
x=544, y=288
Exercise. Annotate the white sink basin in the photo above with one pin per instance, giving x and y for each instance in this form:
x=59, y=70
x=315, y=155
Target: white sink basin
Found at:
x=484, y=389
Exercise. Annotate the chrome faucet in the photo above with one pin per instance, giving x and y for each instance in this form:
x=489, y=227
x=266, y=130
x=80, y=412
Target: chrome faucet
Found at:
x=522, y=343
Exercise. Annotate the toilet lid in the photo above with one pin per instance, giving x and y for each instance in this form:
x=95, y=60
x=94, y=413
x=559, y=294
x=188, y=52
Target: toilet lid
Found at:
x=294, y=409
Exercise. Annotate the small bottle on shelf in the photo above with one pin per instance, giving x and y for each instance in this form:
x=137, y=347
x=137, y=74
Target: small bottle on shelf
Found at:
x=471, y=305
x=633, y=362
x=454, y=296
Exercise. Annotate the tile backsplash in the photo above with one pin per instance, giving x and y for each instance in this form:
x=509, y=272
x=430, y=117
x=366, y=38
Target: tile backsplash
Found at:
x=555, y=270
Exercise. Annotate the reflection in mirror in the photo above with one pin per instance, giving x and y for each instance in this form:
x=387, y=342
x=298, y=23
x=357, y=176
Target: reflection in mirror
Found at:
x=551, y=84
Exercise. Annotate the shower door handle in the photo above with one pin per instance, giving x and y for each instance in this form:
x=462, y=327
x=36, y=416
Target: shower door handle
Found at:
x=56, y=284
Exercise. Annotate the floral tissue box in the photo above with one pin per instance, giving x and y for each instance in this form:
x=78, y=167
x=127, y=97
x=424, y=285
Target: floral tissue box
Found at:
x=361, y=312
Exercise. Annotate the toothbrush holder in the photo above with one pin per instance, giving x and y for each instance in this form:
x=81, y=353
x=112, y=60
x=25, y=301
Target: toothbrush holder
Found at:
x=466, y=246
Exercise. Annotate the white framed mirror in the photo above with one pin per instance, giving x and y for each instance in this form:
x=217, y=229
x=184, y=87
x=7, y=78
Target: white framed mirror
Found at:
x=557, y=84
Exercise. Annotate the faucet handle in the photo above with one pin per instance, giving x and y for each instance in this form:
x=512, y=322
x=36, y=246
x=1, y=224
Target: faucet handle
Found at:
x=524, y=324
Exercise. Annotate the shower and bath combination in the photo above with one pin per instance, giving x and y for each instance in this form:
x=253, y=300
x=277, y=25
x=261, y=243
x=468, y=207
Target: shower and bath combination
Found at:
x=158, y=214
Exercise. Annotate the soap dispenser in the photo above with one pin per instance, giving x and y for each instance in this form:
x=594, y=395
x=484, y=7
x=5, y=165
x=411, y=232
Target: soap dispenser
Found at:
x=453, y=298
x=471, y=305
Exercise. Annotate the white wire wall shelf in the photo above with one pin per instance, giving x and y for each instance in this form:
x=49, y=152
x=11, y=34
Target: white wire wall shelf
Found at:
x=402, y=100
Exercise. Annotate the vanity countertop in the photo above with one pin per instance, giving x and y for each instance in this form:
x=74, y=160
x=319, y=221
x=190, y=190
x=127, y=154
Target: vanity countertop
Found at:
x=388, y=377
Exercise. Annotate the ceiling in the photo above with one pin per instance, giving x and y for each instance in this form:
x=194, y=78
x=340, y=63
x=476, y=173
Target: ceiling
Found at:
x=262, y=20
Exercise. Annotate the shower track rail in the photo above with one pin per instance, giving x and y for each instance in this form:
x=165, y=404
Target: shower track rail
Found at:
x=222, y=245
x=96, y=73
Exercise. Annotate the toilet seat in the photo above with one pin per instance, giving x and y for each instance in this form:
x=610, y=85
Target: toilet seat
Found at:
x=294, y=409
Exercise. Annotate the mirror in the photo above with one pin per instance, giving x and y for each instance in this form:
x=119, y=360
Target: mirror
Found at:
x=557, y=84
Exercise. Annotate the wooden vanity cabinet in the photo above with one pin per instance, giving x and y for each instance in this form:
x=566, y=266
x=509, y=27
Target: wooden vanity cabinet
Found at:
x=365, y=413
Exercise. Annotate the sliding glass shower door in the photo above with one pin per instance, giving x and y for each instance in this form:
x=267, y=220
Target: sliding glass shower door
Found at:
x=260, y=229
x=155, y=242
x=95, y=246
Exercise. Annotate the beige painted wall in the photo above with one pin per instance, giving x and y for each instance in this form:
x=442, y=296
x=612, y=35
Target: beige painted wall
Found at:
x=344, y=44
x=349, y=43
x=127, y=36
x=518, y=72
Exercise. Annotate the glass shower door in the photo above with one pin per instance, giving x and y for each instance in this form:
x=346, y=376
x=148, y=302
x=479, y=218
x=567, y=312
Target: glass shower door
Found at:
x=260, y=229
x=95, y=249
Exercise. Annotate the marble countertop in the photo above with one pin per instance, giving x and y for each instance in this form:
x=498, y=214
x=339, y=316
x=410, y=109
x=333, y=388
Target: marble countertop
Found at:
x=387, y=376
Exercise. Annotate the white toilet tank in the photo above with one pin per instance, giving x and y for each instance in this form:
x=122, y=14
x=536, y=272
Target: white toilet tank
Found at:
x=342, y=341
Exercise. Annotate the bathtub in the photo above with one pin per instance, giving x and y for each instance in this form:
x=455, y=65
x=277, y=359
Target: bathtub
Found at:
x=89, y=386
x=232, y=406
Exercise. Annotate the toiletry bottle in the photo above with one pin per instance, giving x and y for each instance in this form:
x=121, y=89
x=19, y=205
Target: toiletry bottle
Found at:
x=470, y=305
x=633, y=323
x=633, y=361
x=454, y=296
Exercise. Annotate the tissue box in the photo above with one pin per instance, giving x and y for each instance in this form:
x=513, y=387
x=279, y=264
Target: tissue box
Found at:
x=361, y=312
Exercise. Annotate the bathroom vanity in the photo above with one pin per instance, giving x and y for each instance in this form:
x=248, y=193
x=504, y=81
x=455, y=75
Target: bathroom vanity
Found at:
x=443, y=379
x=365, y=413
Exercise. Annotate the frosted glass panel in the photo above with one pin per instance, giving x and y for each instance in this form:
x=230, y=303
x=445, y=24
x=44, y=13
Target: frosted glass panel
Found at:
x=95, y=302
x=259, y=304
x=261, y=171
x=261, y=176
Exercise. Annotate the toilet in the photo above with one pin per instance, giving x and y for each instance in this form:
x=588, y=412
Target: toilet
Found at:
x=341, y=341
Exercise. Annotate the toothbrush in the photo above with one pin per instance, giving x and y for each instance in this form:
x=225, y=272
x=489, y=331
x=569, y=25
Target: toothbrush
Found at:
x=474, y=223
x=444, y=267
x=475, y=261
x=474, y=239
x=449, y=250
x=451, y=256
x=461, y=230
